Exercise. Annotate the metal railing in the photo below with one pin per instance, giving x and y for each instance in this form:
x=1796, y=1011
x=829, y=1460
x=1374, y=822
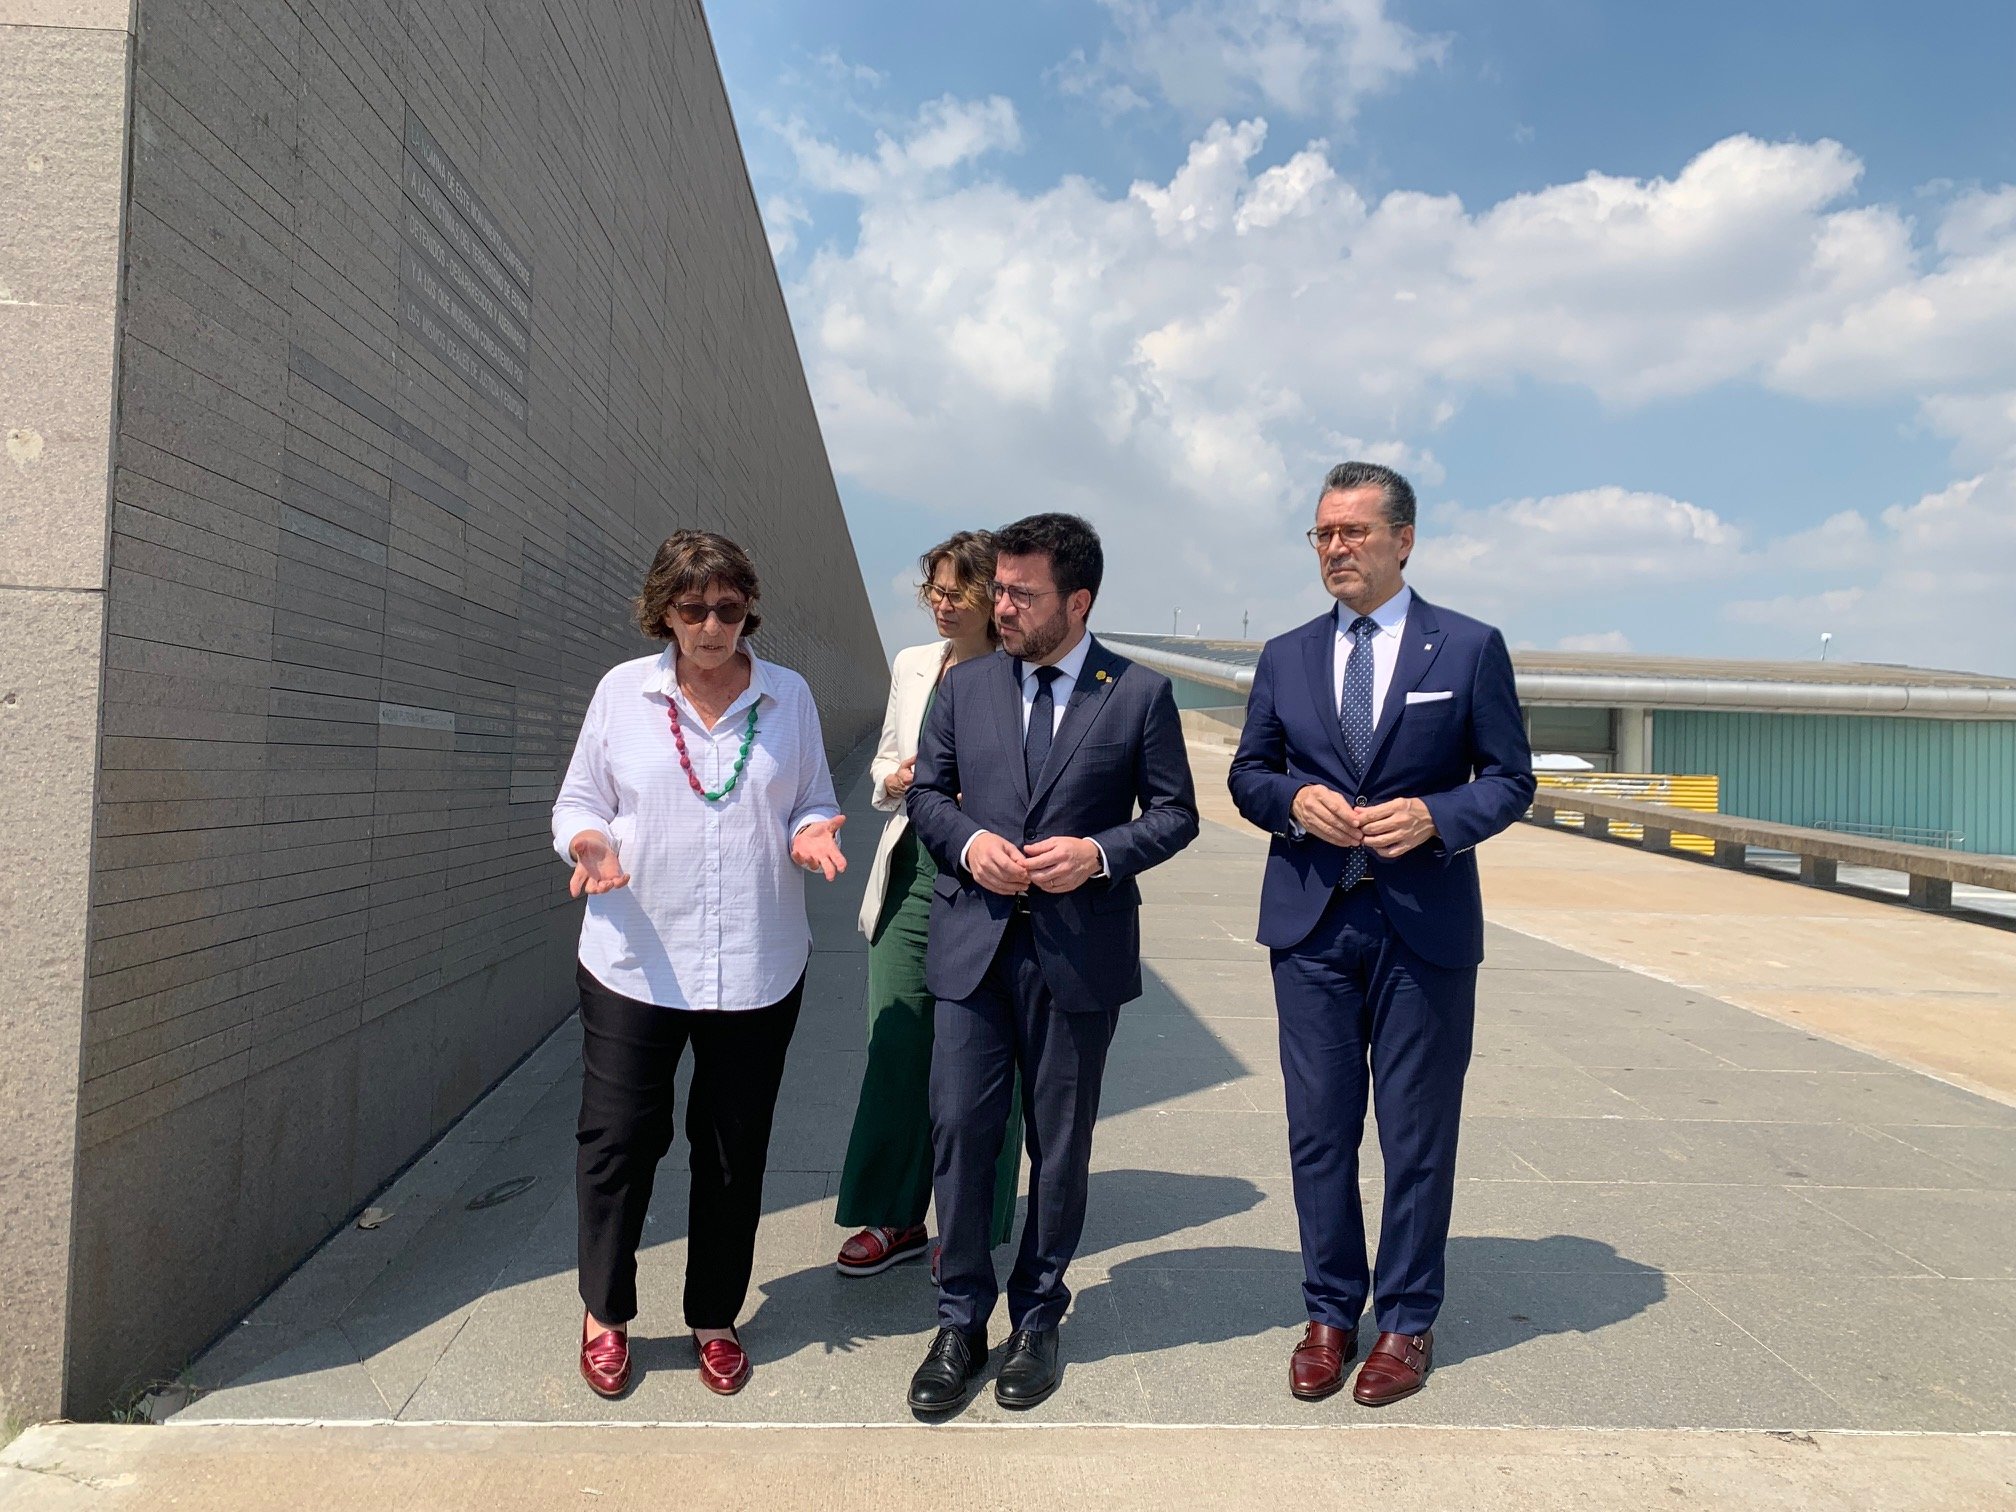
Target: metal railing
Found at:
x=1931, y=871
x=1908, y=834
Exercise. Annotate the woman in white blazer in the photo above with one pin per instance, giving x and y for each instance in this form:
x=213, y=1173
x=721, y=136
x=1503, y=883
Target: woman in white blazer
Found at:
x=885, y=1184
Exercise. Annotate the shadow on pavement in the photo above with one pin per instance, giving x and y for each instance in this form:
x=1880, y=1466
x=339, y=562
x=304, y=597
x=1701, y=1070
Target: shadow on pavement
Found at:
x=1535, y=1287
x=1502, y=1292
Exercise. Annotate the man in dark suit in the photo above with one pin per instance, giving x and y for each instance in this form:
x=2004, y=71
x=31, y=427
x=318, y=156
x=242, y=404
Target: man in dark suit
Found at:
x=1383, y=742
x=1029, y=770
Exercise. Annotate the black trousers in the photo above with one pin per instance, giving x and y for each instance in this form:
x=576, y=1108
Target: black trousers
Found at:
x=629, y=1055
x=1010, y=1025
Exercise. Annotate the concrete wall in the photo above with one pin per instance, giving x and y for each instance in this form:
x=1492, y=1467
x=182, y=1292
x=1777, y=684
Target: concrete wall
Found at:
x=437, y=319
x=63, y=86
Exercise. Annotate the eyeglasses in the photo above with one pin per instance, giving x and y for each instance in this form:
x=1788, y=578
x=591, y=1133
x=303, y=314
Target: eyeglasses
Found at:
x=1354, y=536
x=936, y=597
x=1021, y=598
x=728, y=611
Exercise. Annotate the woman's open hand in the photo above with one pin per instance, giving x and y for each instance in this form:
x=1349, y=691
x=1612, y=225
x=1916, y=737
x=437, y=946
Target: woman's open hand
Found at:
x=816, y=847
x=596, y=869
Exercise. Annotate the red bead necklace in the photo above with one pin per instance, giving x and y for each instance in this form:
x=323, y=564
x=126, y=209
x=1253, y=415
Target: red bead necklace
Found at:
x=686, y=761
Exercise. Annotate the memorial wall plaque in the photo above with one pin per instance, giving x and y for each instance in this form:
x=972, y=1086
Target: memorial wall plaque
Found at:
x=464, y=288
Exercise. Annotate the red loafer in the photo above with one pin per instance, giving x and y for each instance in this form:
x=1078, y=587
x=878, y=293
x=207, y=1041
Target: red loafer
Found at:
x=1397, y=1367
x=605, y=1363
x=724, y=1368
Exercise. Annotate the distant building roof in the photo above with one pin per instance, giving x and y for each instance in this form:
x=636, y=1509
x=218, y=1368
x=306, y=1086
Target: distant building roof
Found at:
x=1623, y=678
x=1716, y=669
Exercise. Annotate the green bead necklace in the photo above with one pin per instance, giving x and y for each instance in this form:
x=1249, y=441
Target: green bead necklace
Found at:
x=692, y=777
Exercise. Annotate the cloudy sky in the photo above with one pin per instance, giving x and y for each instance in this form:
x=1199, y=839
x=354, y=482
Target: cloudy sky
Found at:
x=1695, y=326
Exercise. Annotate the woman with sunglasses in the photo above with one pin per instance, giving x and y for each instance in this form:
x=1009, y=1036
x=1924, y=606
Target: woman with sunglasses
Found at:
x=885, y=1184
x=697, y=799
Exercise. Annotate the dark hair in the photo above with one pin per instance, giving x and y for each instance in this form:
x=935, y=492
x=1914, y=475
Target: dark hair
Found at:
x=688, y=561
x=1399, y=493
x=1076, y=558
x=971, y=553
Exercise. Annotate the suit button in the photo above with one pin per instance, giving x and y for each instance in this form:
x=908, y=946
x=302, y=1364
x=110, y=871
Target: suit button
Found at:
x=1360, y=801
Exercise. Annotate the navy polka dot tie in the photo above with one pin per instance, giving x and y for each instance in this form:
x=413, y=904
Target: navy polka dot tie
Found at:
x=1355, y=714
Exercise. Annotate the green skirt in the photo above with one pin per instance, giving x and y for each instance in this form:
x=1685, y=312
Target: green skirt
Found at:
x=887, y=1175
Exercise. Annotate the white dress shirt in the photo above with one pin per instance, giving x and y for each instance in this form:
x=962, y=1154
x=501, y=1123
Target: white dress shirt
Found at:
x=1391, y=618
x=714, y=914
x=1069, y=667
x=1068, y=671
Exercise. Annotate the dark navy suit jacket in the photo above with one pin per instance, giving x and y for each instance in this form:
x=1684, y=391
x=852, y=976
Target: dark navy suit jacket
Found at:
x=1464, y=755
x=1120, y=745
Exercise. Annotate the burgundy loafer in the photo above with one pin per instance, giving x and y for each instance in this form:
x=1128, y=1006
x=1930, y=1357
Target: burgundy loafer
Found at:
x=605, y=1363
x=724, y=1368
x=1316, y=1368
x=1397, y=1367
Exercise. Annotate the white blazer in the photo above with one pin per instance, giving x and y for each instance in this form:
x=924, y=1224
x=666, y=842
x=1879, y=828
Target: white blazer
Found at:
x=911, y=679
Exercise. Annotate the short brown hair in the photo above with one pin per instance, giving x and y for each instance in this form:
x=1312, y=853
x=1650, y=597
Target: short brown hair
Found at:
x=971, y=553
x=688, y=561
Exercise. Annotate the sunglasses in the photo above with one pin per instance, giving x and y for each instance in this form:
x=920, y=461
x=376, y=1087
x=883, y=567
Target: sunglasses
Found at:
x=728, y=611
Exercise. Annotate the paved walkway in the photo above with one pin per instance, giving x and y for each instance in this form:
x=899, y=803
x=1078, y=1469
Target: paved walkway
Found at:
x=1673, y=1214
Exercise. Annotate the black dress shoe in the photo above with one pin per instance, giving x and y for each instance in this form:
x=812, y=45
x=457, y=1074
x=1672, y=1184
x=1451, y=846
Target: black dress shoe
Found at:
x=1029, y=1370
x=941, y=1381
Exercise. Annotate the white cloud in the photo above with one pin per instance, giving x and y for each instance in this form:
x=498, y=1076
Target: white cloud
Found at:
x=834, y=66
x=1306, y=58
x=1982, y=426
x=946, y=133
x=1613, y=641
x=1951, y=327
x=1931, y=583
x=1182, y=361
x=1593, y=545
x=782, y=215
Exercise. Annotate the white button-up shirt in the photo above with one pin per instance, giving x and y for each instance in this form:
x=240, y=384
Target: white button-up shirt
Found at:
x=714, y=914
x=1069, y=669
x=1391, y=618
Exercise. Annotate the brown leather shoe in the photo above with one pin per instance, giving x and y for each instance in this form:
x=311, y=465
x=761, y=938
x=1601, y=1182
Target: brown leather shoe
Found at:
x=1316, y=1368
x=1397, y=1367
x=605, y=1362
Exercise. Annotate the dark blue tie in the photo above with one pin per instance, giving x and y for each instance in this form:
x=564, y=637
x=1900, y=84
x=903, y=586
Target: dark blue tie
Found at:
x=1042, y=725
x=1354, y=712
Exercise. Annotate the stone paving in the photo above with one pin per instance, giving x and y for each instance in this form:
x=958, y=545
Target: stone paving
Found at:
x=1672, y=1213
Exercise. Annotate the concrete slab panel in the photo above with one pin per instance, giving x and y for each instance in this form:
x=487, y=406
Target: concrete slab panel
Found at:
x=1861, y=1097
x=1962, y=1234
x=47, y=732
x=1705, y=1229
x=1723, y=1153
x=1863, y=1340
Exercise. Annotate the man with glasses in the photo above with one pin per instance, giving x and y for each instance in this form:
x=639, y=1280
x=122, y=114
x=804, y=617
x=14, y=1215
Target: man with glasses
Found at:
x=1383, y=743
x=1029, y=772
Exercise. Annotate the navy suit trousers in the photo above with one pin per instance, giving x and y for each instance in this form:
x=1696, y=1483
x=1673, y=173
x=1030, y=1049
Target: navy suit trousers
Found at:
x=1011, y=1022
x=1358, y=1006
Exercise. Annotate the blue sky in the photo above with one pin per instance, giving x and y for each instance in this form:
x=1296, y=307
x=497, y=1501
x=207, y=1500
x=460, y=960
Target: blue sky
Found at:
x=1695, y=326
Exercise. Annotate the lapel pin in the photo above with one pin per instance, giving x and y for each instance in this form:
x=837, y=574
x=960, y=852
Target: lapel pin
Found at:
x=1099, y=676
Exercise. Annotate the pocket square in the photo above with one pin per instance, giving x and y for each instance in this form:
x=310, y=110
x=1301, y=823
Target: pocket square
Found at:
x=1421, y=698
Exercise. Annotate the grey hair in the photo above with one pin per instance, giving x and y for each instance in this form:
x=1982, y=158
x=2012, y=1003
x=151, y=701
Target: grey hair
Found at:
x=1397, y=491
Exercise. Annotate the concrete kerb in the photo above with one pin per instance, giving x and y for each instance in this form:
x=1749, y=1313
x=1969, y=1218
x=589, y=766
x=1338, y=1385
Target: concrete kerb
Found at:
x=506, y=1466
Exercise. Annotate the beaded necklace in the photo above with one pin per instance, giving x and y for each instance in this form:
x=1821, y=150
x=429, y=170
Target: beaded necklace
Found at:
x=686, y=762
